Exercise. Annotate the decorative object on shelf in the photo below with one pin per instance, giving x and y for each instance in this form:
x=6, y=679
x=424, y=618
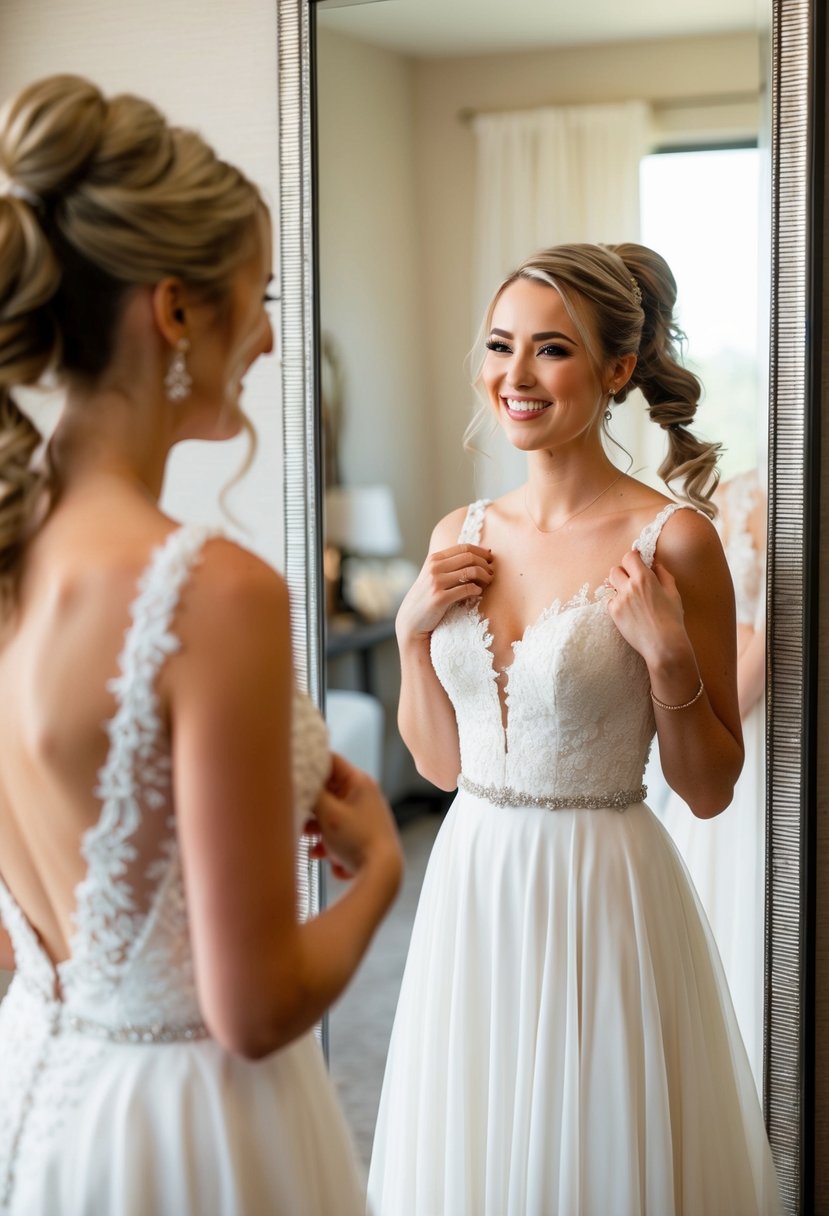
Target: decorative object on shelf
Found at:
x=361, y=527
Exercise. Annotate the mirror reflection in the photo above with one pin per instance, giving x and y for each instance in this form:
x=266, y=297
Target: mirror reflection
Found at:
x=446, y=157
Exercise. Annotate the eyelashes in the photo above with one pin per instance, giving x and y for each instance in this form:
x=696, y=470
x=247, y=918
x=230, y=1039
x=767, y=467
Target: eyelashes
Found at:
x=551, y=350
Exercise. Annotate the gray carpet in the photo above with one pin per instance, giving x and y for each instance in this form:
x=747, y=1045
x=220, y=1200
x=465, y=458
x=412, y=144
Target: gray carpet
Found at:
x=360, y=1023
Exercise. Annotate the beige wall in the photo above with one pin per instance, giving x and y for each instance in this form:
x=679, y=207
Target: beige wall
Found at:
x=370, y=288
x=214, y=72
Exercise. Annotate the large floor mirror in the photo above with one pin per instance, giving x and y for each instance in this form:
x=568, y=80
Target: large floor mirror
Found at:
x=394, y=219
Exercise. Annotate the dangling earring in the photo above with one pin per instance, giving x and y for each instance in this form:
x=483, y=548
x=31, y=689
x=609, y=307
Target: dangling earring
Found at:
x=607, y=415
x=178, y=381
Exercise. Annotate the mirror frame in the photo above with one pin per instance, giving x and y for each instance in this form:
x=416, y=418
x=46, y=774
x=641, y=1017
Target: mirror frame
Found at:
x=797, y=97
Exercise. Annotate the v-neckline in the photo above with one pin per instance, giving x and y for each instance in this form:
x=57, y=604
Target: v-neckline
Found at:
x=579, y=601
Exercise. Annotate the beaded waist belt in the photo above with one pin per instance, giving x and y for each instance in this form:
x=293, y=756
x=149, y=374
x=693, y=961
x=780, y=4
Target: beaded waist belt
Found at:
x=59, y=1019
x=504, y=795
x=156, y=1033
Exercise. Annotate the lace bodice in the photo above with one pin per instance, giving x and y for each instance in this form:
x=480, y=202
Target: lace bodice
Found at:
x=746, y=562
x=131, y=962
x=579, y=714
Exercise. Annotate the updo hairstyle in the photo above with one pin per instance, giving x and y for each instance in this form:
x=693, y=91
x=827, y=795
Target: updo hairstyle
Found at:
x=100, y=196
x=621, y=299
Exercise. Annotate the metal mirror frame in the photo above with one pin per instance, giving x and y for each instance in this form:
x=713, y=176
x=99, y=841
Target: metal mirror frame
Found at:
x=797, y=84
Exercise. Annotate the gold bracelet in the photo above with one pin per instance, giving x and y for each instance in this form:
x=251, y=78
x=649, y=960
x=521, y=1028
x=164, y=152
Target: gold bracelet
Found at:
x=663, y=705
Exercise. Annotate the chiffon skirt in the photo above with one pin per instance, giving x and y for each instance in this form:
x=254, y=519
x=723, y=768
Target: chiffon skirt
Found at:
x=726, y=858
x=179, y=1129
x=564, y=1041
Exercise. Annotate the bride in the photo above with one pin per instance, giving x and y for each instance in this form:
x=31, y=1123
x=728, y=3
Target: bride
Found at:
x=564, y=1040
x=157, y=1052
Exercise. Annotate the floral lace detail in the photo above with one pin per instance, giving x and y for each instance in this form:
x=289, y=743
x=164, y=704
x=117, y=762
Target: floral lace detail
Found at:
x=470, y=533
x=131, y=961
x=29, y=956
x=130, y=907
x=578, y=715
x=646, y=541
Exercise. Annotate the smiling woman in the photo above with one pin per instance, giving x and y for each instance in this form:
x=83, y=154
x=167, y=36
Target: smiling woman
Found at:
x=410, y=95
x=553, y=894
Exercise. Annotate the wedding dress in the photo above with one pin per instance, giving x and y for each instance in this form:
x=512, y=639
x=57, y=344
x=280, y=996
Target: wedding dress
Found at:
x=113, y=1098
x=564, y=1044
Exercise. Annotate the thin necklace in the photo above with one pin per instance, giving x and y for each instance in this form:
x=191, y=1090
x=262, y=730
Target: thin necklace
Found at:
x=558, y=527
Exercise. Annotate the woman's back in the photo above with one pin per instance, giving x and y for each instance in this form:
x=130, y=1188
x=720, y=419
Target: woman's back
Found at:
x=59, y=651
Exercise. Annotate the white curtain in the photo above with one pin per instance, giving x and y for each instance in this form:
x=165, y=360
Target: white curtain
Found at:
x=545, y=177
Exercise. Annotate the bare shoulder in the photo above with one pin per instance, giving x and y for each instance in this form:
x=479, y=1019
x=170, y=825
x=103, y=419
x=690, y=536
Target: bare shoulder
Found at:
x=447, y=530
x=689, y=545
x=234, y=596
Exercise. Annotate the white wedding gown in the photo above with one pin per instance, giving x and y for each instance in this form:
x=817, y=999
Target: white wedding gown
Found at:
x=564, y=1043
x=113, y=1099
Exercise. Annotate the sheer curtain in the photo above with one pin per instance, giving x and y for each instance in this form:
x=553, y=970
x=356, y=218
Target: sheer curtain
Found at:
x=544, y=177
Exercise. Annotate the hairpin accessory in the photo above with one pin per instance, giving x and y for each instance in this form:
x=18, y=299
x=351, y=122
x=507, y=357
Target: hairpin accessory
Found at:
x=637, y=291
x=12, y=189
x=178, y=381
x=684, y=705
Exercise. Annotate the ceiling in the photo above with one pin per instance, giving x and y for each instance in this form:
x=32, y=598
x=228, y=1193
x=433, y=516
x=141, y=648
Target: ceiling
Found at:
x=477, y=27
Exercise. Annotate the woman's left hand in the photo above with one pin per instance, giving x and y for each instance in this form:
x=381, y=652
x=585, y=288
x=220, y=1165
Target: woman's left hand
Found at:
x=646, y=607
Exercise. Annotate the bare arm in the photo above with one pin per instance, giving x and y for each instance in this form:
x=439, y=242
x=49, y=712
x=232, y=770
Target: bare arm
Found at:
x=263, y=978
x=425, y=715
x=7, y=962
x=680, y=617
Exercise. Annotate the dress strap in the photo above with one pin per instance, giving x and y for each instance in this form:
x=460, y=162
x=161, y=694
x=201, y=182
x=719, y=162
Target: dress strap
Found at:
x=470, y=533
x=647, y=539
x=149, y=641
x=136, y=773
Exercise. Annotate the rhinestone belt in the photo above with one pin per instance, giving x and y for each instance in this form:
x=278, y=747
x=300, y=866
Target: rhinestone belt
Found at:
x=156, y=1033
x=504, y=795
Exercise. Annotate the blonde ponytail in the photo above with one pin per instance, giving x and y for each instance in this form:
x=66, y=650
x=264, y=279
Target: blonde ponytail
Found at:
x=102, y=195
x=671, y=391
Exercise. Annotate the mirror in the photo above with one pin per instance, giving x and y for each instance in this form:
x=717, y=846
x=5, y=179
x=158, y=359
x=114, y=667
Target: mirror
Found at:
x=441, y=84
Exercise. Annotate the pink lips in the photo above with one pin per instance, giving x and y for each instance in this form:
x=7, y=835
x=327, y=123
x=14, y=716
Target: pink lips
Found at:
x=524, y=415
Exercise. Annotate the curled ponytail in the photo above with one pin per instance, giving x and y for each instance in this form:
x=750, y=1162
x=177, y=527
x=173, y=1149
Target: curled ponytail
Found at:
x=29, y=344
x=102, y=196
x=671, y=391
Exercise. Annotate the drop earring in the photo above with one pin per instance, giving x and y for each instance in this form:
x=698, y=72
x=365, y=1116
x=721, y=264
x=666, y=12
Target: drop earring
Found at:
x=178, y=381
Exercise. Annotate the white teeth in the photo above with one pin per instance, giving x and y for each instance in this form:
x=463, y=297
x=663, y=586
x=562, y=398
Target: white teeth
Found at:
x=526, y=407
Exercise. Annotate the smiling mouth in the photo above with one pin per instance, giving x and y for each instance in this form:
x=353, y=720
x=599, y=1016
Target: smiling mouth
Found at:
x=524, y=407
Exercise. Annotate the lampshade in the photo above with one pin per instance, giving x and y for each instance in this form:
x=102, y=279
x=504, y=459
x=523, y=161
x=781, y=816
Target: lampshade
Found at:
x=362, y=520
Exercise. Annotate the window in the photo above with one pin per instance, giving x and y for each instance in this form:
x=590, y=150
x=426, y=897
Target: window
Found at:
x=700, y=210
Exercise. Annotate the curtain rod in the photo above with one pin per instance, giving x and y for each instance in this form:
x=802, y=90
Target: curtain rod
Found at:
x=468, y=113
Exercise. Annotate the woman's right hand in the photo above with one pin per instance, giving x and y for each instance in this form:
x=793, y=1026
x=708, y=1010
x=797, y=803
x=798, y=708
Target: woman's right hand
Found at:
x=354, y=824
x=462, y=572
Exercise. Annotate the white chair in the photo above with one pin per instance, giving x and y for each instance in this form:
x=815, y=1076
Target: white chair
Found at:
x=356, y=725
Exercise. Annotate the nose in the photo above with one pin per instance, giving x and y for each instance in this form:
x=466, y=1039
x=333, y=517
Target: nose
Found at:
x=521, y=373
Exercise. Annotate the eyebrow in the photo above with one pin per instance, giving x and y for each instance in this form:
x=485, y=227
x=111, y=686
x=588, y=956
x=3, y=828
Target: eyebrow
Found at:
x=553, y=333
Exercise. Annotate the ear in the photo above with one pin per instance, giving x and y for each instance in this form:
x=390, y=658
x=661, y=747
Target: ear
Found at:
x=619, y=372
x=169, y=310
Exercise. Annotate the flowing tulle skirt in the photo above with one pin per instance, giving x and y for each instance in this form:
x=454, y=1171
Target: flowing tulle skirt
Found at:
x=178, y=1129
x=564, y=1041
